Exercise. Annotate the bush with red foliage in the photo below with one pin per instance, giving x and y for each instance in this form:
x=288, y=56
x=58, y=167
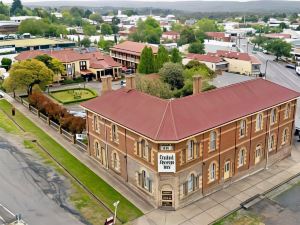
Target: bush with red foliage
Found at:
x=57, y=113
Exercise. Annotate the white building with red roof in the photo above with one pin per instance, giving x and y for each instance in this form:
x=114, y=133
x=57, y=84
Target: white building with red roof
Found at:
x=79, y=62
x=171, y=35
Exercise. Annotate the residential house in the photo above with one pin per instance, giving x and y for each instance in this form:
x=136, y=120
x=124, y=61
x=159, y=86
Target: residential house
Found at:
x=174, y=152
x=128, y=53
x=214, y=63
x=171, y=35
x=218, y=36
x=79, y=63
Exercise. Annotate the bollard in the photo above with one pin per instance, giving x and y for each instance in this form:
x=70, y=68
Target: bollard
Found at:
x=13, y=111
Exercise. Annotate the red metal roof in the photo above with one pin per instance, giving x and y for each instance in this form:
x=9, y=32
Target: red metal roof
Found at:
x=173, y=120
x=131, y=47
x=205, y=58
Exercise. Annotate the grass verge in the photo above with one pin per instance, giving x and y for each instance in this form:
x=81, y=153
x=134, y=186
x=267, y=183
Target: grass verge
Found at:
x=73, y=95
x=126, y=210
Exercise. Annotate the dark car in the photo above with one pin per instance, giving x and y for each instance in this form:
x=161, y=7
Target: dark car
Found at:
x=290, y=66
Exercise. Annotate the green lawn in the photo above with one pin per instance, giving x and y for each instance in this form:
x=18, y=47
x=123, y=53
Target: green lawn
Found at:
x=73, y=95
x=126, y=210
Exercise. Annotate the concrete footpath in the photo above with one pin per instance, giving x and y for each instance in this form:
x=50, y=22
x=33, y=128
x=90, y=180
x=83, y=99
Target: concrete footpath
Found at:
x=201, y=212
x=84, y=158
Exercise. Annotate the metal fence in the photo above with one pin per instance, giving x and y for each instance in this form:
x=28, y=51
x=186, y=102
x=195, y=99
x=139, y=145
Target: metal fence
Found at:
x=43, y=117
x=34, y=110
x=54, y=125
x=81, y=145
x=67, y=135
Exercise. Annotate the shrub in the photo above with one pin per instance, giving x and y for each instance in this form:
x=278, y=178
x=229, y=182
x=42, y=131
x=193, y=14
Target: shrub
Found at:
x=57, y=113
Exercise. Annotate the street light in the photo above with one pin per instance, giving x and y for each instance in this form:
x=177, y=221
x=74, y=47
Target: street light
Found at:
x=116, y=207
x=266, y=69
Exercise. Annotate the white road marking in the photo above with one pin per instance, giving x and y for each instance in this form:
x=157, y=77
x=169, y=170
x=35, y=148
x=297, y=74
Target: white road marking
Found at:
x=7, y=210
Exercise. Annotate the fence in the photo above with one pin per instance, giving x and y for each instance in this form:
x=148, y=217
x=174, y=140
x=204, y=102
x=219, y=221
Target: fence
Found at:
x=70, y=137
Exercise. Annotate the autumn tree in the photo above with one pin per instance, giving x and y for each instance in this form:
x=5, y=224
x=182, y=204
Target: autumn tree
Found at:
x=25, y=74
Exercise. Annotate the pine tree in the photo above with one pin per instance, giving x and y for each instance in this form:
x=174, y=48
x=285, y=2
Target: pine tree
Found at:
x=161, y=58
x=146, y=64
x=16, y=7
x=175, y=56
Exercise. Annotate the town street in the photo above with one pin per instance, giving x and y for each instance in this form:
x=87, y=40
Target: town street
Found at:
x=30, y=188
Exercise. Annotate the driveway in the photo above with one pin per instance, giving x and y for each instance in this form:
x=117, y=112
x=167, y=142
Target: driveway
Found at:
x=32, y=189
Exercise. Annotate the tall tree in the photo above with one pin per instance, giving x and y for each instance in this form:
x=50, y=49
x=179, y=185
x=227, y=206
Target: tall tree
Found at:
x=175, y=56
x=172, y=74
x=279, y=48
x=16, y=7
x=161, y=58
x=146, y=64
x=196, y=47
x=25, y=74
x=106, y=29
x=207, y=25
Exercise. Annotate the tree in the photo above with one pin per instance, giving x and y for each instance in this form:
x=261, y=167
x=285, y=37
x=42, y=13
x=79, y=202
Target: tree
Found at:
x=89, y=29
x=172, y=74
x=96, y=17
x=25, y=74
x=283, y=26
x=147, y=31
x=153, y=86
x=87, y=13
x=207, y=25
x=187, y=36
x=161, y=58
x=259, y=40
x=57, y=67
x=16, y=7
x=106, y=29
x=4, y=9
x=6, y=63
x=196, y=47
x=279, y=48
x=85, y=42
x=146, y=64
x=175, y=56
x=105, y=45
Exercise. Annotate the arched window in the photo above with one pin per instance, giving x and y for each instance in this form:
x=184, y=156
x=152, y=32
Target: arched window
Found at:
x=190, y=148
x=95, y=122
x=287, y=110
x=271, y=142
x=243, y=128
x=273, y=116
x=242, y=156
x=97, y=149
x=285, y=136
x=191, y=184
x=115, y=161
x=213, y=140
x=258, y=153
x=114, y=132
x=212, y=171
x=259, y=121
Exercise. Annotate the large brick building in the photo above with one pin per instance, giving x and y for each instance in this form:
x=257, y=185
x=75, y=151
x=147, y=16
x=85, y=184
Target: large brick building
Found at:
x=173, y=152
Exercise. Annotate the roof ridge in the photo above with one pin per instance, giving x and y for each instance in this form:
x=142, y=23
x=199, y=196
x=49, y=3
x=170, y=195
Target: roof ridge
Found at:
x=162, y=119
x=172, y=117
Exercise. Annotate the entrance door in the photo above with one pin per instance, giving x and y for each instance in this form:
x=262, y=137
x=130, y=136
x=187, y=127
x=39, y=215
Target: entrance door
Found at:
x=167, y=199
x=226, y=170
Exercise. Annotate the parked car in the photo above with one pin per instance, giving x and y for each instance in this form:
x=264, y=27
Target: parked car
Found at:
x=1, y=95
x=290, y=66
x=123, y=83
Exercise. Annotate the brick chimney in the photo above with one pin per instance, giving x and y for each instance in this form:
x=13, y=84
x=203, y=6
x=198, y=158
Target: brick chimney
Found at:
x=197, y=84
x=130, y=82
x=106, y=84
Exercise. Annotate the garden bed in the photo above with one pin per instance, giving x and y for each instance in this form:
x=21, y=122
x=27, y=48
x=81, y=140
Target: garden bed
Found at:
x=73, y=95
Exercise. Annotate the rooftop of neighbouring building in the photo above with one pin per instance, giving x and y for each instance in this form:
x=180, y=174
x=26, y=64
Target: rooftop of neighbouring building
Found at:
x=177, y=119
x=205, y=58
x=96, y=58
x=134, y=48
x=235, y=55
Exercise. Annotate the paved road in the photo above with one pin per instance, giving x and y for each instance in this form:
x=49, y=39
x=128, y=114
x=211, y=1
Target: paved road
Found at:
x=32, y=189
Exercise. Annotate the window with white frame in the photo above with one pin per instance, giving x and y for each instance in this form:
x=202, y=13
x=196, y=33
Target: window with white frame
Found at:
x=190, y=149
x=243, y=125
x=287, y=110
x=271, y=142
x=258, y=153
x=242, y=155
x=285, y=136
x=212, y=171
x=213, y=140
x=144, y=181
x=273, y=116
x=95, y=122
x=97, y=149
x=114, y=132
x=259, y=122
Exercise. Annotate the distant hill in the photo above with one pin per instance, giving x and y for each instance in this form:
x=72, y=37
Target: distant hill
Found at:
x=192, y=6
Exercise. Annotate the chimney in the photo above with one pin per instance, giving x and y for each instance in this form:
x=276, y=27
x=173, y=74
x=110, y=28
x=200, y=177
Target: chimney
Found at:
x=197, y=84
x=130, y=82
x=106, y=84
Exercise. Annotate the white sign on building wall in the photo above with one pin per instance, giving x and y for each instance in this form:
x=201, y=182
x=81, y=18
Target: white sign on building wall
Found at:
x=166, y=163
